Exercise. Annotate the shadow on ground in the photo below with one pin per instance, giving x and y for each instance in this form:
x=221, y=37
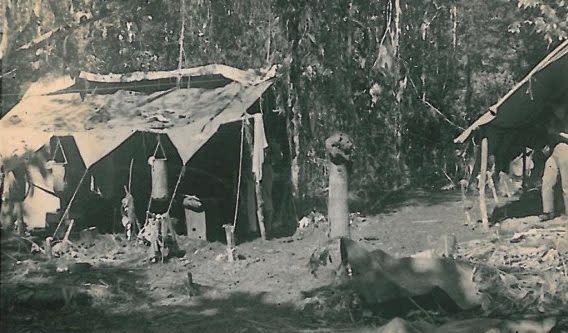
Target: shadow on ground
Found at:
x=110, y=299
x=528, y=204
x=419, y=197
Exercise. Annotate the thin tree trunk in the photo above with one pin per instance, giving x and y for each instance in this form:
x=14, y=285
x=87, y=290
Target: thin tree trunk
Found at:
x=259, y=208
x=181, y=38
x=454, y=13
x=269, y=39
x=296, y=122
x=397, y=31
x=5, y=32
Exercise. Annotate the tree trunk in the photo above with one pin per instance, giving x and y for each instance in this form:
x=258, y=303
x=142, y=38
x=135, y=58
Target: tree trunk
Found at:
x=5, y=32
x=338, y=210
x=397, y=31
x=295, y=167
x=181, y=38
x=259, y=208
x=339, y=148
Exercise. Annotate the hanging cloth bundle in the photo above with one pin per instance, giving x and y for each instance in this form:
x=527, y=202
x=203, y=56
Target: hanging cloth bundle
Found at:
x=57, y=165
x=159, y=173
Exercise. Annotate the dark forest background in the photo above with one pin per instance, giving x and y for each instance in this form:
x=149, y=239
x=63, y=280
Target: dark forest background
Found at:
x=402, y=77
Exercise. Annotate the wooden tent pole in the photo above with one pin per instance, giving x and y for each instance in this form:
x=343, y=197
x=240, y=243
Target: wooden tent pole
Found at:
x=181, y=173
x=70, y=202
x=482, y=184
x=130, y=176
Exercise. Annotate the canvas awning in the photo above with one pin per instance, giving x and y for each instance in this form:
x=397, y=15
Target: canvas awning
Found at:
x=524, y=106
x=100, y=123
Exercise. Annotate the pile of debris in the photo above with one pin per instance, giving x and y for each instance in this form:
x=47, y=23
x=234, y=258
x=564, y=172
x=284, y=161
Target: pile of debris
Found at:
x=523, y=268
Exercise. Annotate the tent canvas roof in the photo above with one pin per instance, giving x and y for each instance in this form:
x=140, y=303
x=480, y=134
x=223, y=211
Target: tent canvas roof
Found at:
x=531, y=98
x=100, y=123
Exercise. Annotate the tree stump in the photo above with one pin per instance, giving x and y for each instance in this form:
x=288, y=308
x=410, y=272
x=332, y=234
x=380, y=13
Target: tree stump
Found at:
x=339, y=148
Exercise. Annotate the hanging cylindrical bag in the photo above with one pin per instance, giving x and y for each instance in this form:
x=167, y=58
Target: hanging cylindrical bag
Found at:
x=159, y=178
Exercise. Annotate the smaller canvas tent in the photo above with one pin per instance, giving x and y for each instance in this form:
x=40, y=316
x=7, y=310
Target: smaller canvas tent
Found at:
x=519, y=118
x=109, y=125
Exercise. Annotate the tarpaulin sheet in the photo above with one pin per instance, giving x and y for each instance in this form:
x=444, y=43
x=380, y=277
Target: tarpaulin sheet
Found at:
x=94, y=145
x=100, y=123
x=380, y=278
x=530, y=100
x=15, y=141
x=248, y=77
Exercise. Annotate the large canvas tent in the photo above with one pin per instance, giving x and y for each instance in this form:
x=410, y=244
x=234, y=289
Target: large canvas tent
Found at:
x=107, y=126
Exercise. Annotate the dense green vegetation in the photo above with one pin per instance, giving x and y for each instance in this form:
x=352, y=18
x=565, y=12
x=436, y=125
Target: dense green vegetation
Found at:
x=401, y=77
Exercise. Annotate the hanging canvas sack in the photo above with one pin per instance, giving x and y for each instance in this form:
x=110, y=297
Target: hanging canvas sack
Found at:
x=57, y=166
x=58, y=172
x=159, y=178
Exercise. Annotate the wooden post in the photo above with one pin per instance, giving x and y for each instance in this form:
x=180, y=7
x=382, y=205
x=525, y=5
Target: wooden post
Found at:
x=482, y=184
x=229, y=234
x=339, y=147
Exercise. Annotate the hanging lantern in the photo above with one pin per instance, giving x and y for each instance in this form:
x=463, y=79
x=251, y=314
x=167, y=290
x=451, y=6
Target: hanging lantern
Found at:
x=159, y=173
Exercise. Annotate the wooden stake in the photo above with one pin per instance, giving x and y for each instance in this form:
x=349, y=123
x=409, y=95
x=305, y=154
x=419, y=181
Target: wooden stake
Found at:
x=482, y=184
x=229, y=234
x=66, y=237
x=48, y=250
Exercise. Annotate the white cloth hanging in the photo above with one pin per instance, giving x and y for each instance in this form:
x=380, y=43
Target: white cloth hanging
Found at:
x=259, y=144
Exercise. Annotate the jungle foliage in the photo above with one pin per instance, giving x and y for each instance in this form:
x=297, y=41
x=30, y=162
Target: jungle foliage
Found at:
x=401, y=77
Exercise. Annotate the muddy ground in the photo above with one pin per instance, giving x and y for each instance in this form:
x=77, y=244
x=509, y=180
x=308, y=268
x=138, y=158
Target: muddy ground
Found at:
x=107, y=284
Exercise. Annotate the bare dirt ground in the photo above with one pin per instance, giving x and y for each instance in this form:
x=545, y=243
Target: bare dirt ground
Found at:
x=107, y=284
